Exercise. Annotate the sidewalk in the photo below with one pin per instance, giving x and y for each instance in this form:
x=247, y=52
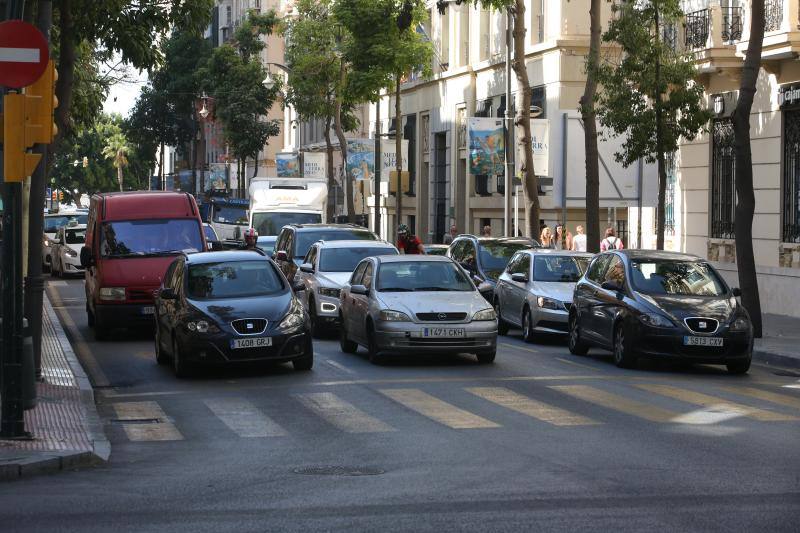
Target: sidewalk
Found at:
x=780, y=345
x=67, y=432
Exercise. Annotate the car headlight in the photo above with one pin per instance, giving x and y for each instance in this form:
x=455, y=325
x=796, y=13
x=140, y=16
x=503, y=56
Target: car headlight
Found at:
x=46, y=242
x=548, y=303
x=485, y=314
x=388, y=315
x=741, y=323
x=327, y=291
x=202, y=326
x=70, y=252
x=656, y=321
x=294, y=318
x=112, y=294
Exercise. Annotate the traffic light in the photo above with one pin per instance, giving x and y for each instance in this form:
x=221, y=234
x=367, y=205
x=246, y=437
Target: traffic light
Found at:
x=60, y=196
x=18, y=136
x=41, y=96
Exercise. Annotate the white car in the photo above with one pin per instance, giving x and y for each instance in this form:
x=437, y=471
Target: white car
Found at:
x=66, y=250
x=53, y=221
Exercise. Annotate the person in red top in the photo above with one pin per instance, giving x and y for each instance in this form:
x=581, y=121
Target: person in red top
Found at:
x=407, y=243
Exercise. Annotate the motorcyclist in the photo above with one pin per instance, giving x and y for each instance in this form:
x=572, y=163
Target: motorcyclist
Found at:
x=250, y=239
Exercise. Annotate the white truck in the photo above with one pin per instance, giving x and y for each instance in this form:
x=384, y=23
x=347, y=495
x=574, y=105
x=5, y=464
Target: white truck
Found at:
x=276, y=202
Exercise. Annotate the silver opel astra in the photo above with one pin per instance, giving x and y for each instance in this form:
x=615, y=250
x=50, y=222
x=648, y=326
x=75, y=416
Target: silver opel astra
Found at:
x=412, y=304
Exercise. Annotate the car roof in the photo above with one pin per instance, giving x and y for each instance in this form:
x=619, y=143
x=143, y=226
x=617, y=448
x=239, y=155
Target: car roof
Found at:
x=551, y=251
x=76, y=226
x=658, y=255
x=225, y=256
x=436, y=245
x=311, y=227
x=413, y=258
x=354, y=242
x=482, y=240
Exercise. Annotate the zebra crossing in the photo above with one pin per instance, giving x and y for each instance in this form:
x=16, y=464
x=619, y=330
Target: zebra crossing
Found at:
x=588, y=405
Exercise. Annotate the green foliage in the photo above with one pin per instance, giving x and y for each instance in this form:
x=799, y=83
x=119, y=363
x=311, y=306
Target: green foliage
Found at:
x=646, y=77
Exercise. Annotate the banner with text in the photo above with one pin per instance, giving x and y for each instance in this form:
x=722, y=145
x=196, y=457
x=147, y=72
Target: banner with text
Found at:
x=486, y=147
x=314, y=165
x=361, y=158
x=389, y=157
x=540, y=139
x=288, y=165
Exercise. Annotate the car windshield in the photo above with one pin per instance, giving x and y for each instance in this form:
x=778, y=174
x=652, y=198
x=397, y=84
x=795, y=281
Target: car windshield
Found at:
x=75, y=236
x=271, y=223
x=495, y=256
x=211, y=234
x=52, y=223
x=436, y=250
x=693, y=278
x=346, y=259
x=150, y=237
x=562, y=268
x=230, y=214
x=233, y=279
x=306, y=238
x=267, y=244
x=422, y=276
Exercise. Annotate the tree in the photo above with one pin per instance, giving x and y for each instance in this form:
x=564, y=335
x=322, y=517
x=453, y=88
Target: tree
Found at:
x=745, y=196
x=117, y=149
x=649, y=93
x=590, y=132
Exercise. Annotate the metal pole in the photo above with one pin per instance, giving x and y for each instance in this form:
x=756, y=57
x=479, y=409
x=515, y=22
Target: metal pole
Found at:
x=509, y=159
x=639, y=210
x=377, y=170
x=516, y=210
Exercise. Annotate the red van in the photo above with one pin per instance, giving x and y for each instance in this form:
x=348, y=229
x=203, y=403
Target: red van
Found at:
x=131, y=239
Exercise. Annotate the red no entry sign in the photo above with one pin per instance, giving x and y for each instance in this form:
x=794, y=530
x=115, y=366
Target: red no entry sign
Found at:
x=23, y=54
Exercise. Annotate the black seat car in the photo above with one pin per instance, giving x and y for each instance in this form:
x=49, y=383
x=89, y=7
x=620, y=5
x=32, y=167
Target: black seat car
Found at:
x=295, y=240
x=229, y=307
x=659, y=304
x=485, y=258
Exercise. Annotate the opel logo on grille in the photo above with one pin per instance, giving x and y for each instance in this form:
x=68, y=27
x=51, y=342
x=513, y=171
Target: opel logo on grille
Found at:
x=441, y=316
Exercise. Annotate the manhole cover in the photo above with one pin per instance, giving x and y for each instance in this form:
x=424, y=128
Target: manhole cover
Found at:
x=339, y=471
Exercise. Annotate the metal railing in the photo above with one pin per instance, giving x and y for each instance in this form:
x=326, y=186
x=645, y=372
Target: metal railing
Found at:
x=773, y=15
x=731, y=23
x=696, y=26
x=791, y=176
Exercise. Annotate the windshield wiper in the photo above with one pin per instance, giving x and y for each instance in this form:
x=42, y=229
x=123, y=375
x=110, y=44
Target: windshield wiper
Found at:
x=431, y=289
x=395, y=289
x=160, y=253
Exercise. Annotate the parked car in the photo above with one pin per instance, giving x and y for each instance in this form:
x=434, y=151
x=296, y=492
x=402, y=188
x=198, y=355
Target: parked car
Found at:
x=229, y=307
x=485, y=258
x=52, y=222
x=131, y=239
x=535, y=291
x=415, y=303
x=640, y=303
x=326, y=267
x=435, y=249
x=66, y=248
x=294, y=240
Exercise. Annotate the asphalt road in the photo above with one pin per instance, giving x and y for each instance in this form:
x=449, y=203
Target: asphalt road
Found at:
x=541, y=440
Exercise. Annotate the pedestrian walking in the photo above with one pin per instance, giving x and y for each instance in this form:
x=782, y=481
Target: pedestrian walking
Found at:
x=407, y=243
x=611, y=242
x=487, y=231
x=563, y=238
x=579, y=240
x=448, y=237
x=546, y=238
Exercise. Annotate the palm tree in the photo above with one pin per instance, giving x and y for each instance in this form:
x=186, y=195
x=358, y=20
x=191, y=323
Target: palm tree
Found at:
x=117, y=150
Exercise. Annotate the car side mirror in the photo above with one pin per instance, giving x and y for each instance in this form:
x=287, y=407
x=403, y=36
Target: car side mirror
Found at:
x=519, y=277
x=308, y=268
x=216, y=246
x=167, y=293
x=359, y=289
x=612, y=286
x=736, y=291
x=298, y=286
x=87, y=259
x=280, y=255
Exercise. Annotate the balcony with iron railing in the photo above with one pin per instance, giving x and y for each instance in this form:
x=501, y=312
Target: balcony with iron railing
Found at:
x=781, y=33
x=711, y=35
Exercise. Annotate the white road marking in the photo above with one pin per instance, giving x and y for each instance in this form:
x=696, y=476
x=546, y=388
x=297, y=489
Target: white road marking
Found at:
x=19, y=55
x=339, y=366
x=617, y=402
x=438, y=410
x=712, y=415
x=342, y=414
x=793, y=385
x=530, y=407
x=574, y=363
x=243, y=418
x=160, y=430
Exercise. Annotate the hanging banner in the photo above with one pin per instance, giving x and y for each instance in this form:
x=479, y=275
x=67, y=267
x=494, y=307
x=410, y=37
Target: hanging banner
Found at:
x=540, y=135
x=216, y=177
x=486, y=147
x=288, y=165
x=314, y=165
x=361, y=158
x=389, y=157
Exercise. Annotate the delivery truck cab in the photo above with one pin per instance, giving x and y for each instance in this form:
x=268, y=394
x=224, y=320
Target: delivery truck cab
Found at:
x=131, y=239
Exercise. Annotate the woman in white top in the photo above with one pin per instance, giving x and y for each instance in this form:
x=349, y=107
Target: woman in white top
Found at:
x=579, y=240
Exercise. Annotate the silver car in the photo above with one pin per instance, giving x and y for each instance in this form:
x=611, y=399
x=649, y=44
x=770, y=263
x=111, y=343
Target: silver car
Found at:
x=415, y=303
x=326, y=267
x=535, y=290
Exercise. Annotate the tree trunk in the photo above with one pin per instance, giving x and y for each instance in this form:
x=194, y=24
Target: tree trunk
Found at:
x=662, y=174
x=522, y=122
x=398, y=145
x=66, y=69
x=161, y=166
x=119, y=177
x=347, y=181
x=331, y=212
x=745, y=197
x=590, y=133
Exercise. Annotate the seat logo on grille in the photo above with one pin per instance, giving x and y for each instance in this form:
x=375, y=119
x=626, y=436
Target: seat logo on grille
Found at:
x=441, y=316
x=249, y=325
x=702, y=324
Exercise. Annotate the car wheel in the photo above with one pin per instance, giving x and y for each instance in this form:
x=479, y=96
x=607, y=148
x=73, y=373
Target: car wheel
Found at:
x=161, y=357
x=527, y=326
x=623, y=352
x=316, y=327
x=372, y=347
x=487, y=358
x=345, y=344
x=53, y=271
x=89, y=316
x=739, y=367
x=306, y=362
x=576, y=345
x=502, y=325
x=179, y=365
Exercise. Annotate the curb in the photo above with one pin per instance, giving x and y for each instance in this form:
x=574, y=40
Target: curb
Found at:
x=776, y=359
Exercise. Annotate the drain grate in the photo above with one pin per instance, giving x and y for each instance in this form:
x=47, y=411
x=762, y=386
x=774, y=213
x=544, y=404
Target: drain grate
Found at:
x=339, y=471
